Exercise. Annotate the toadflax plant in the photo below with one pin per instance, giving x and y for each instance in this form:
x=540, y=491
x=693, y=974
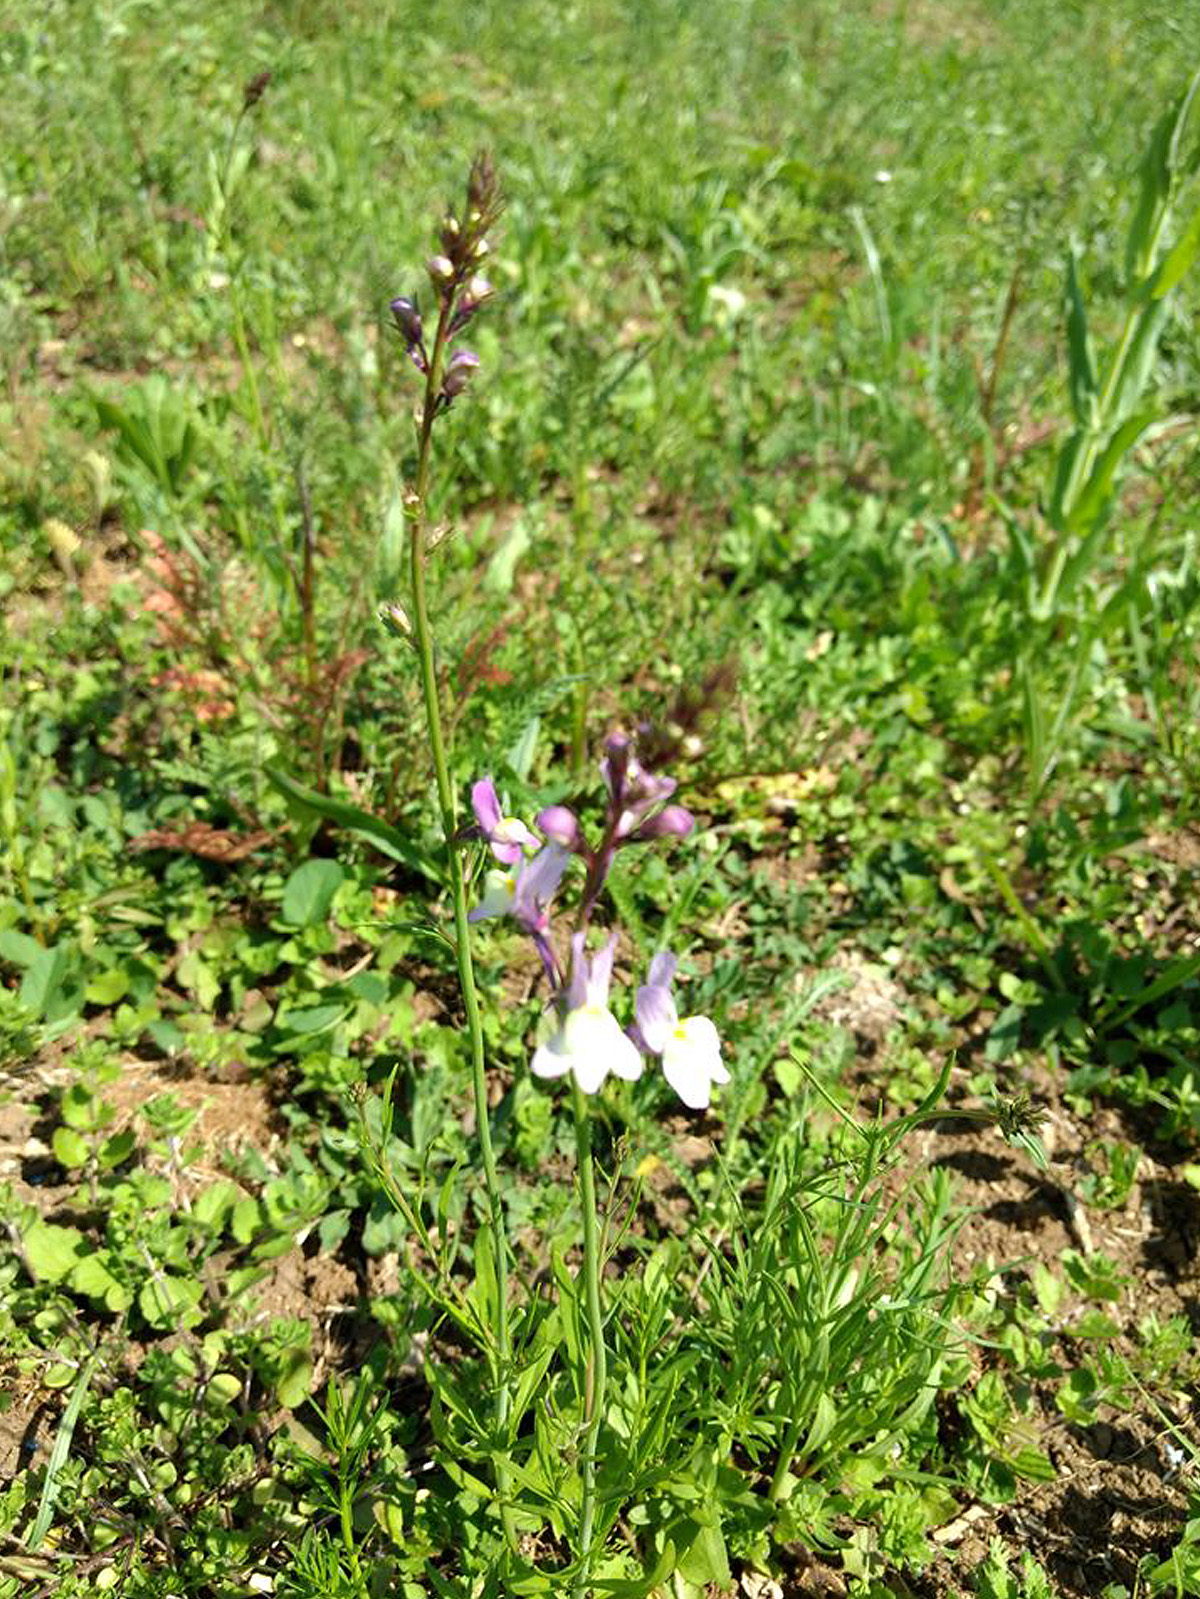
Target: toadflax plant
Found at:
x=583, y=1040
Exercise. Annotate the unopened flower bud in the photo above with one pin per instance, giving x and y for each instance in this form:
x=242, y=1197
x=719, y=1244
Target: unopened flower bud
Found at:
x=440, y=269
x=560, y=825
x=479, y=289
x=395, y=618
x=673, y=822
x=482, y=248
x=407, y=319
x=458, y=372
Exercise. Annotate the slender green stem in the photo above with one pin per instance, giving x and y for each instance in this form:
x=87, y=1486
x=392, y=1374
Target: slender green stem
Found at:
x=423, y=636
x=346, y=1514
x=597, y=1363
x=787, y=1452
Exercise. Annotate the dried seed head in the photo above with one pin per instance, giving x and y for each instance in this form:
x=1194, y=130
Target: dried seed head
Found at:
x=255, y=89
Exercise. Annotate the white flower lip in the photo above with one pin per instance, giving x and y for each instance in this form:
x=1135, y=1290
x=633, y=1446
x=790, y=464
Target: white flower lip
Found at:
x=690, y=1049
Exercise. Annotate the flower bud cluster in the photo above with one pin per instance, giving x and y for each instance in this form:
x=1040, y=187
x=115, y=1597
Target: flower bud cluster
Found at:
x=584, y=1038
x=459, y=287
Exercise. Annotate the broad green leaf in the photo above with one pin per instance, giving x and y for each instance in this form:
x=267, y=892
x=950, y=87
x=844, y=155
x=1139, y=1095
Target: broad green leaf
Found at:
x=293, y=1380
x=308, y=893
x=18, y=948
x=223, y=1388
x=213, y=1204
x=42, y=988
x=94, y=1277
x=704, y=1559
x=116, y=1150
x=382, y=834
x=168, y=1301
x=248, y=1218
x=52, y=1251
x=106, y=988
x=310, y=1019
x=70, y=1148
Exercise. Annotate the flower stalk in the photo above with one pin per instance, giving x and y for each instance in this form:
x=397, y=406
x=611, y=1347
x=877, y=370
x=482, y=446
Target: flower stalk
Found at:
x=597, y=1368
x=435, y=401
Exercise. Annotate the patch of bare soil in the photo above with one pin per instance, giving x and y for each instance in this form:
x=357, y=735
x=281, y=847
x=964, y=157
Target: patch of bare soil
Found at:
x=234, y=1111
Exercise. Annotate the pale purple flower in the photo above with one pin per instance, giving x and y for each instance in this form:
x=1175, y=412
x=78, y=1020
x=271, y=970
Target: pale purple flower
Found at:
x=690, y=1048
x=524, y=892
x=588, y=1040
x=507, y=837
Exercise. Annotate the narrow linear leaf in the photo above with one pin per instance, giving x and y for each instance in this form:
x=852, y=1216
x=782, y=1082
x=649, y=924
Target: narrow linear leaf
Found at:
x=60, y=1453
x=386, y=838
x=1084, y=391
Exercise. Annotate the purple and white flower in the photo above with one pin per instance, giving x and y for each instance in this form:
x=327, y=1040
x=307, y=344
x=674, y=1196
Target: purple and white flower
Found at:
x=507, y=837
x=689, y=1046
x=588, y=1040
x=524, y=892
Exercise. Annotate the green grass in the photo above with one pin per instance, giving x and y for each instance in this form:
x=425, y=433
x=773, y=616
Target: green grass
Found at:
x=770, y=394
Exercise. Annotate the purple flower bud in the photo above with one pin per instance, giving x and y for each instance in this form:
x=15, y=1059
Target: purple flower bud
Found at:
x=617, y=751
x=408, y=319
x=674, y=822
x=479, y=289
x=440, y=269
x=560, y=825
x=458, y=373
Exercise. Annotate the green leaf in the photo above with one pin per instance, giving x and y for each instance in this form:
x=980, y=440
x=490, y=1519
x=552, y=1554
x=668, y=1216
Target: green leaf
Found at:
x=18, y=948
x=1093, y=500
x=107, y=987
x=43, y=986
x=308, y=893
x=823, y=1422
x=704, y=1559
x=52, y=1251
x=293, y=1381
x=386, y=838
x=213, y=1204
x=1084, y=390
x=170, y=1302
x=1160, y=167
x=94, y=1277
x=311, y=1019
x=59, y=1455
x=116, y=1150
x=248, y=1217
x=71, y=1149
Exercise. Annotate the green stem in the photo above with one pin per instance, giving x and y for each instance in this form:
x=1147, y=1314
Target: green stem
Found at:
x=423, y=638
x=346, y=1511
x=787, y=1451
x=598, y=1364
